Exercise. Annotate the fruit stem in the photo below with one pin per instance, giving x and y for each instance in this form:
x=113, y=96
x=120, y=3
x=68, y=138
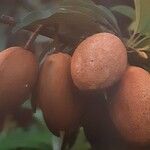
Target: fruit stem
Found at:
x=33, y=37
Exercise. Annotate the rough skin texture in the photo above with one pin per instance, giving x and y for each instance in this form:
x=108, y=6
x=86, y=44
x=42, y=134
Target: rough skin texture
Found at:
x=98, y=62
x=18, y=74
x=130, y=107
x=55, y=93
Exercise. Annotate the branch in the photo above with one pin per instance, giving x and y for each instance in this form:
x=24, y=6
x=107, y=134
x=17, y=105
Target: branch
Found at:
x=8, y=20
x=33, y=37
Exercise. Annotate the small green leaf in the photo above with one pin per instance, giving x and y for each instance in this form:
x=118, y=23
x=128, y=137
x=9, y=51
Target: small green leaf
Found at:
x=2, y=37
x=78, y=2
x=100, y=13
x=142, y=24
x=34, y=18
x=124, y=10
x=144, y=43
x=74, y=19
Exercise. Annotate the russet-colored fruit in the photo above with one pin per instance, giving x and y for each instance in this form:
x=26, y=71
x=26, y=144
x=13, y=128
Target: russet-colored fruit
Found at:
x=98, y=126
x=98, y=62
x=18, y=74
x=56, y=93
x=130, y=105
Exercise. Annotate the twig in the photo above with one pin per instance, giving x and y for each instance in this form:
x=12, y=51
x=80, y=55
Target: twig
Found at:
x=7, y=20
x=33, y=37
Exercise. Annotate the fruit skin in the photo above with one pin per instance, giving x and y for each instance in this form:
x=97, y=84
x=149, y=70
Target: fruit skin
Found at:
x=18, y=74
x=98, y=62
x=98, y=127
x=130, y=105
x=56, y=93
x=94, y=121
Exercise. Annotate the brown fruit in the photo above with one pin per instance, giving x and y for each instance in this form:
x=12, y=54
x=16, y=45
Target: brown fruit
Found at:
x=130, y=107
x=94, y=121
x=18, y=73
x=98, y=126
x=98, y=62
x=55, y=93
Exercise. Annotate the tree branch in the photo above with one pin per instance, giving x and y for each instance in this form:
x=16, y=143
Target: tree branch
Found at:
x=8, y=20
x=33, y=37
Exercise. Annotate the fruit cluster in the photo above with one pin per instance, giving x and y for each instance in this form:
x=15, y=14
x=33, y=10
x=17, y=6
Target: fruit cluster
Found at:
x=71, y=90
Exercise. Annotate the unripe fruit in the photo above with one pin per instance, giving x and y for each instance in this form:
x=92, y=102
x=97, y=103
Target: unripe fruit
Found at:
x=98, y=62
x=18, y=73
x=130, y=106
x=56, y=93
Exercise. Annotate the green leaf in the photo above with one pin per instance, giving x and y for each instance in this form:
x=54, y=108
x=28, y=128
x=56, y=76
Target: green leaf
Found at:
x=142, y=24
x=78, y=2
x=2, y=37
x=124, y=10
x=108, y=17
x=34, y=18
x=101, y=14
x=36, y=137
x=143, y=43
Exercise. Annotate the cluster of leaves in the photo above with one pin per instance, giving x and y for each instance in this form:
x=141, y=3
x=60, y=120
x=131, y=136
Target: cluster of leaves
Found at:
x=139, y=30
x=72, y=21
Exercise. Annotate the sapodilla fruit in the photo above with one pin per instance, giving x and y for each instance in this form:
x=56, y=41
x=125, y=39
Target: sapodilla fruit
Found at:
x=98, y=62
x=18, y=74
x=130, y=105
x=98, y=126
x=56, y=93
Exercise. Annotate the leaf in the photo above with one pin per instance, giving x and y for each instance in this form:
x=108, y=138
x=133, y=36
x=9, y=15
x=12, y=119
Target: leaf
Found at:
x=100, y=13
x=124, y=10
x=111, y=20
x=2, y=37
x=73, y=20
x=145, y=42
x=142, y=24
x=78, y=2
x=34, y=137
x=34, y=18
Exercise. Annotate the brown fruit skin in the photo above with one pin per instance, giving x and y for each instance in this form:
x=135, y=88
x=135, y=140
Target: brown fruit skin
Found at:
x=130, y=106
x=56, y=93
x=98, y=62
x=98, y=126
x=18, y=74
